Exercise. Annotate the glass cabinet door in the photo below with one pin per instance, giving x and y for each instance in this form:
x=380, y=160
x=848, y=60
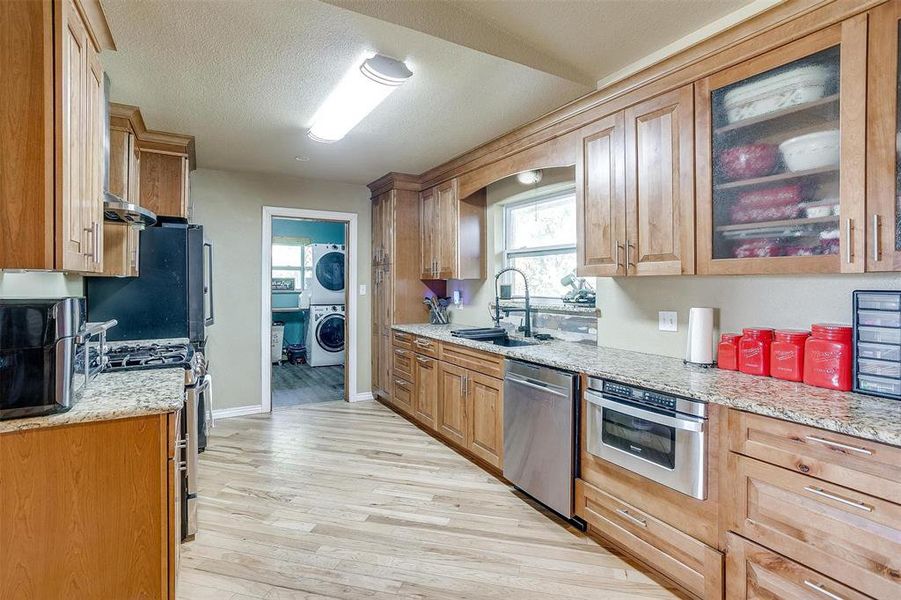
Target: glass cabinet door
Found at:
x=772, y=173
x=884, y=140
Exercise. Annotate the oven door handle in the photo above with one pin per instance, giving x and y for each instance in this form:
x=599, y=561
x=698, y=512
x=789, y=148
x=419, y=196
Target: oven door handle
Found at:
x=685, y=424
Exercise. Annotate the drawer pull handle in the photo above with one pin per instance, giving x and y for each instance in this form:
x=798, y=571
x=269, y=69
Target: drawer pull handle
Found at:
x=400, y=352
x=424, y=362
x=822, y=590
x=824, y=441
x=401, y=383
x=636, y=520
x=423, y=344
x=825, y=494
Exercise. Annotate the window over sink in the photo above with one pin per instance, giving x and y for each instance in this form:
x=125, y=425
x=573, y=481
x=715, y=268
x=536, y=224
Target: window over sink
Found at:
x=540, y=239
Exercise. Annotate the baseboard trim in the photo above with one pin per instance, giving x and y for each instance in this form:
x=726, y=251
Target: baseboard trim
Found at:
x=238, y=411
x=362, y=397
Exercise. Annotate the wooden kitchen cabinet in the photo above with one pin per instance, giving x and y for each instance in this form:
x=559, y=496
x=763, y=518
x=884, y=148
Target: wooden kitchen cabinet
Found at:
x=796, y=205
x=51, y=130
x=635, y=190
x=660, y=216
x=82, y=521
x=601, y=198
x=165, y=185
x=485, y=417
x=829, y=528
x=425, y=398
x=755, y=573
x=451, y=412
x=452, y=234
x=883, y=193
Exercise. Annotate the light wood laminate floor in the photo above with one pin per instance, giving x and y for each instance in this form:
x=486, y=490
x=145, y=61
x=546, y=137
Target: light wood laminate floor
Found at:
x=337, y=500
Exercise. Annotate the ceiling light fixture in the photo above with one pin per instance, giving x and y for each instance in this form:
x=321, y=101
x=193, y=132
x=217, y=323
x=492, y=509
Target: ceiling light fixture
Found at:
x=357, y=94
x=530, y=177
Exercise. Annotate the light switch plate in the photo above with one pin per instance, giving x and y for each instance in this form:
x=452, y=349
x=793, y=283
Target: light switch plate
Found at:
x=362, y=289
x=457, y=300
x=667, y=320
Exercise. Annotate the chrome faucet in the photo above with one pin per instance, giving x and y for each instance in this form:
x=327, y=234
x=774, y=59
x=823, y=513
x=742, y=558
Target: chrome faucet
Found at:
x=527, y=326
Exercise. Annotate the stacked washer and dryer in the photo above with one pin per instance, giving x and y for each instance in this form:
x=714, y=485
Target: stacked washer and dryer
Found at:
x=325, y=329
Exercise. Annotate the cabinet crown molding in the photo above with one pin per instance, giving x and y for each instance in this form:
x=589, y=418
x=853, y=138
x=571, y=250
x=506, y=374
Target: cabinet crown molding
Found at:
x=394, y=181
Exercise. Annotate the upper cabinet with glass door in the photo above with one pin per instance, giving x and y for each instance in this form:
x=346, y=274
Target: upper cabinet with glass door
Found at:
x=780, y=158
x=884, y=140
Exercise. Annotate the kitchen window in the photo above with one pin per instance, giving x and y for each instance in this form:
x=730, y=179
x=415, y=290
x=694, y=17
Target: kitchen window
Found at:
x=540, y=240
x=293, y=259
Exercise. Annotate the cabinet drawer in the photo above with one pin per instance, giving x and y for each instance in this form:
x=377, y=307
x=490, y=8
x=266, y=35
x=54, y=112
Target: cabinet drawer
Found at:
x=829, y=528
x=426, y=346
x=754, y=572
x=403, y=340
x=474, y=360
x=403, y=396
x=874, y=469
x=690, y=563
x=403, y=363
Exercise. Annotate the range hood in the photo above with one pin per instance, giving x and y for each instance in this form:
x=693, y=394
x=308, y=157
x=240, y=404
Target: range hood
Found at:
x=115, y=209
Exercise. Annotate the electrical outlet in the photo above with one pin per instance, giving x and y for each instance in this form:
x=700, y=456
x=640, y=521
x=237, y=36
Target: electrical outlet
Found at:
x=457, y=299
x=362, y=289
x=667, y=320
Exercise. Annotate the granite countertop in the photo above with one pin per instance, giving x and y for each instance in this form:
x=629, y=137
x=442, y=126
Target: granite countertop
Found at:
x=863, y=416
x=116, y=395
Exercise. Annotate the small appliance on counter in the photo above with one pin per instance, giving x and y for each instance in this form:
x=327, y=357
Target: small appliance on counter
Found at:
x=877, y=343
x=47, y=355
x=581, y=292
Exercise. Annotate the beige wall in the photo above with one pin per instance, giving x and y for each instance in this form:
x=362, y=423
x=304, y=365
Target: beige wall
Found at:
x=477, y=295
x=629, y=306
x=39, y=285
x=229, y=205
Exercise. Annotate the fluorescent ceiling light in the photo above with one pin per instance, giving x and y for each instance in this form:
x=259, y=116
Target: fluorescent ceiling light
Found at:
x=358, y=93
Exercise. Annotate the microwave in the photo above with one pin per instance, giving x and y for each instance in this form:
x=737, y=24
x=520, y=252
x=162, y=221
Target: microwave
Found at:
x=38, y=355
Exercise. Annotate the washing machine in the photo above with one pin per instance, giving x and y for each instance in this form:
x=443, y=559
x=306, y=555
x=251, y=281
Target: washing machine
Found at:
x=328, y=274
x=325, y=335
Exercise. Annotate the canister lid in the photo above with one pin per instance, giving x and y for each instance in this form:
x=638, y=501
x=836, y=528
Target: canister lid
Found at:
x=730, y=337
x=792, y=335
x=831, y=331
x=757, y=332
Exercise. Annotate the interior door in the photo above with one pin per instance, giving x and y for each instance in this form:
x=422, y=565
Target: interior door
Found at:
x=659, y=137
x=425, y=399
x=883, y=210
x=451, y=413
x=447, y=249
x=600, y=198
x=485, y=417
x=429, y=234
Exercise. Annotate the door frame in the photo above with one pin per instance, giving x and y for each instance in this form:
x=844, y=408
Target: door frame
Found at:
x=350, y=300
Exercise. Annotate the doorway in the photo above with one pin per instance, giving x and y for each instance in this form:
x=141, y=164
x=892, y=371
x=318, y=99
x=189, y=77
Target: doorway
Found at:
x=309, y=318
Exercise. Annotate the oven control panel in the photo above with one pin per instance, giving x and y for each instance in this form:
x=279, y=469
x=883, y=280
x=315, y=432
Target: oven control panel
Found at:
x=627, y=392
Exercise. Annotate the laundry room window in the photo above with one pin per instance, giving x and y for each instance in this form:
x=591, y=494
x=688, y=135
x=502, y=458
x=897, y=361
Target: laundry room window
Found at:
x=293, y=259
x=540, y=239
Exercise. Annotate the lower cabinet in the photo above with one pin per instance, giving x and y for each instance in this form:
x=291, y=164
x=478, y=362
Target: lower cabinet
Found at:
x=462, y=405
x=753, y=572
x=692, y=564
x=89, y=510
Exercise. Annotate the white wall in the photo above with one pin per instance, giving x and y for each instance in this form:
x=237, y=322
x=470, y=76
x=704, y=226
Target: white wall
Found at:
x=229, y=206
x=39, y=285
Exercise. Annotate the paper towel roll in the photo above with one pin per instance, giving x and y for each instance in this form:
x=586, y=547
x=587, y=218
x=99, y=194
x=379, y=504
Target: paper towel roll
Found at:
x=699, y=347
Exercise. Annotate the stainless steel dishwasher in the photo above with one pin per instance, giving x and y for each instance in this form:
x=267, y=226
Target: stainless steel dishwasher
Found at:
x=540, y=433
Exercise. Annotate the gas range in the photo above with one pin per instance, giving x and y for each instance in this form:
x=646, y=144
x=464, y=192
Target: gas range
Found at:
x=125, y=356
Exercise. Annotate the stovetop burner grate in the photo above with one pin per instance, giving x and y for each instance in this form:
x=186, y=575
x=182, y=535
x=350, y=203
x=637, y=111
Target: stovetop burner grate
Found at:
x=149, y=355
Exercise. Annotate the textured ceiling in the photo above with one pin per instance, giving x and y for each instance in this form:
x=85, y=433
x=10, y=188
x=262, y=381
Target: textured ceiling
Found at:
x=581, y=40
x=245, y=77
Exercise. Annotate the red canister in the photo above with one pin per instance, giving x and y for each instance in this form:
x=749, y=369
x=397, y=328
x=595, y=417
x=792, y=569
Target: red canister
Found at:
x=727, y=351
x=827, y=357
x=787, y=354
x=754, y=351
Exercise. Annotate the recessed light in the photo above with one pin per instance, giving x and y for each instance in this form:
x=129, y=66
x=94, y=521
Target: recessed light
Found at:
x=358, y=93
x=302, y=158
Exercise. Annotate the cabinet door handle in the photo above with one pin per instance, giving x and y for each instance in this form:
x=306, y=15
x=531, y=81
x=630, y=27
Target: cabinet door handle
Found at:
x=92, y=245
x=98, y=250
x=619, y=248
x=836, y=498
x=849, y=250
x=465, y=384
x=629, y=247
x=877, y=250
x=625, y=513
x=822, y=590
x=824, y=441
